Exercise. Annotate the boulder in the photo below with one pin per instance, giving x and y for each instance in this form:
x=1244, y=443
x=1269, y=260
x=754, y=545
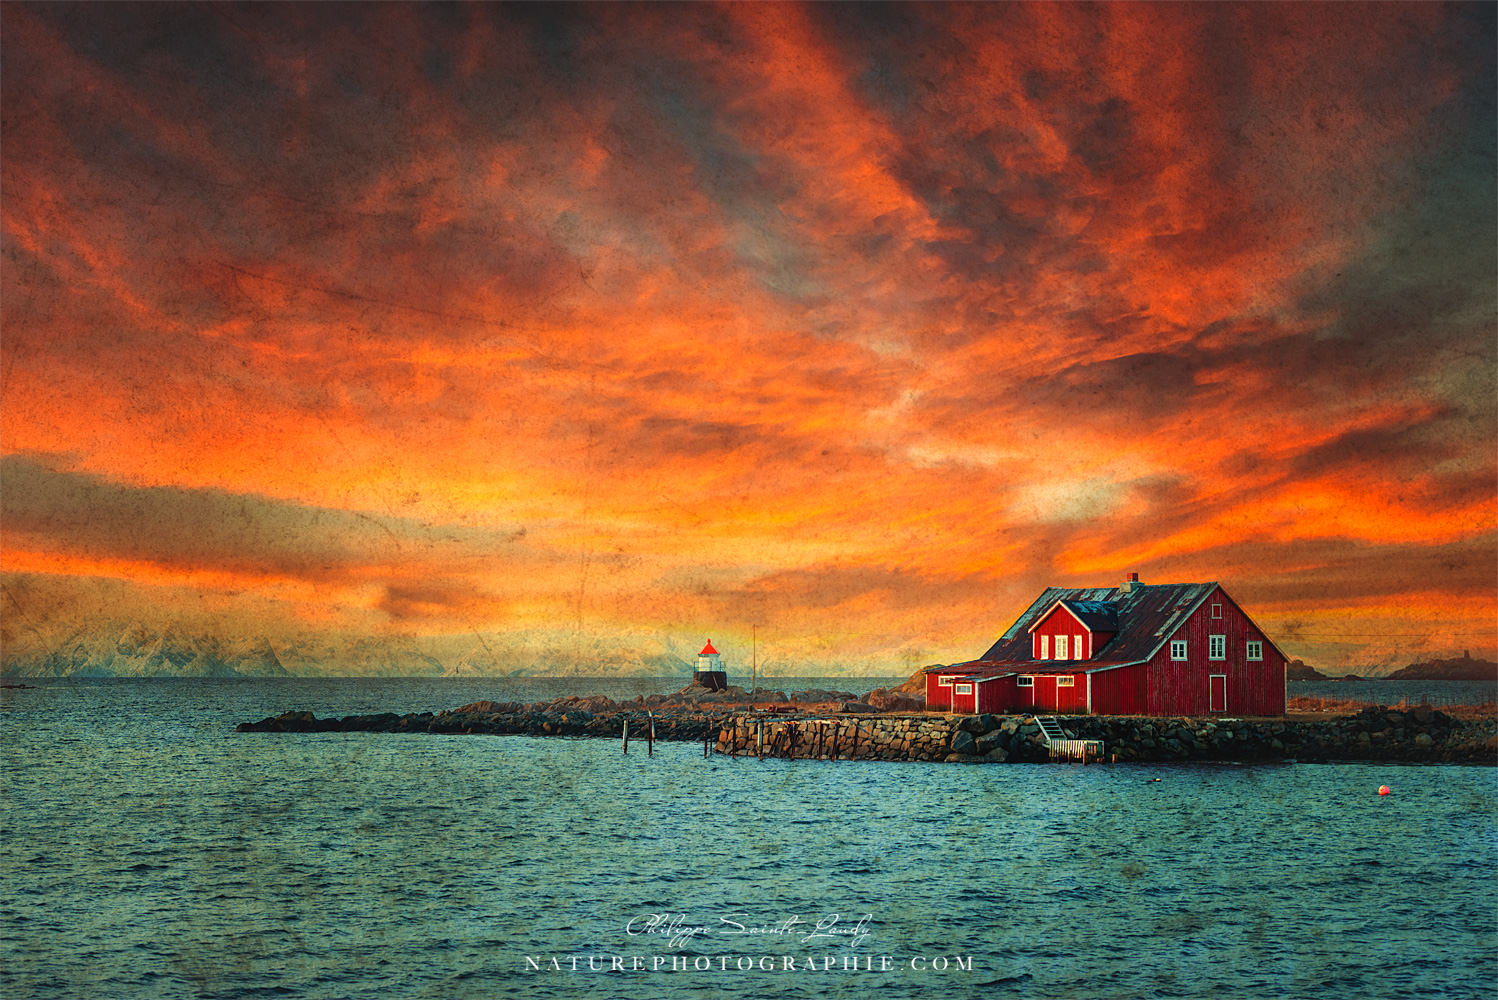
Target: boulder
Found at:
x=963, y=742
x=815, y=696
x=895, y=701
x=485, y=708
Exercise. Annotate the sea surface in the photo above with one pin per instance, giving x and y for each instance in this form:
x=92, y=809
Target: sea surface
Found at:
x=147, y=850
x=1385, y=692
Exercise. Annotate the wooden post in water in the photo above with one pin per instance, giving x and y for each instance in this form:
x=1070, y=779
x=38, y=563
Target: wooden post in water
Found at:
x=761, y=739
x=705, y=734
x=853, y=751
x=837, y=728
x=650, y=739
x=626, y=736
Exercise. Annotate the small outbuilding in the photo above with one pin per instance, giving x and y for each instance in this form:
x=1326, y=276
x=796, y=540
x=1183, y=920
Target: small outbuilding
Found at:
x=1138, y=649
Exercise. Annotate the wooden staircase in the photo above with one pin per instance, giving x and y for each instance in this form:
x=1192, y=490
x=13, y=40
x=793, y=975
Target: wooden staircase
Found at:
x=1061, y=743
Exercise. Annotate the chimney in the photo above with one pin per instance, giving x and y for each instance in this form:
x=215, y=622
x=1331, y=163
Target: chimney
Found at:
x=1132, y=583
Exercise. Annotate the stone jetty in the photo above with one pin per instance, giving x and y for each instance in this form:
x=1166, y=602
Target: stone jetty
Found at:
x=854, y=730
x=489, y=717
x=1421, y=735
x=693, y=713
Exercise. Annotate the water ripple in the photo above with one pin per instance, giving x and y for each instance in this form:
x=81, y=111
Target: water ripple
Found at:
x=150, y=852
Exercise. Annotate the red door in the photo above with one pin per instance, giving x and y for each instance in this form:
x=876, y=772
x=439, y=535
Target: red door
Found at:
x=1218, y=684
x=964, y=696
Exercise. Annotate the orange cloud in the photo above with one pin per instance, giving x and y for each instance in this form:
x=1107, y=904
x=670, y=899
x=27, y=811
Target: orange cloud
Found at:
x=868, y=320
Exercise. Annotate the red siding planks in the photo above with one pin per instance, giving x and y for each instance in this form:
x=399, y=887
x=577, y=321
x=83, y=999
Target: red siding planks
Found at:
x=1181, y=687
x=938, y=698
x=1120, y=691
x=1061, y=622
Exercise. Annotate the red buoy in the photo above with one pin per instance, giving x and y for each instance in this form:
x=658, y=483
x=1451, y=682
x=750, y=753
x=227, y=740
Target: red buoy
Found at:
x=1383, y=789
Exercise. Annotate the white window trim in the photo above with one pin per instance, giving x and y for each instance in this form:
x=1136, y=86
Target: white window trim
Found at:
x=1217, y=611
x=1065, y=681
x=1255, y=650
x=1063, y=650
x=964, y=689
x=1025, y=681
x=944, y=681
x=1045, y=648
x=1181, y=643
x=1219, y=643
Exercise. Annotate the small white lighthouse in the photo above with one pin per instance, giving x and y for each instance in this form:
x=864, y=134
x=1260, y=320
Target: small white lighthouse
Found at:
x=710, y=673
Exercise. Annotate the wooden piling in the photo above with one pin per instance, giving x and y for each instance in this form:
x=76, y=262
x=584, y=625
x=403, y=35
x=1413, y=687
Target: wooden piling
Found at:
x=761, y=739
x=706, y=733
x=626, y=736
x=853, y=751
x=837, y=728
x=650, y=739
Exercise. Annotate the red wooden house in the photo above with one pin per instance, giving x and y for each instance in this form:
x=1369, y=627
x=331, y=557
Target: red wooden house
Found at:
x=1158, y=649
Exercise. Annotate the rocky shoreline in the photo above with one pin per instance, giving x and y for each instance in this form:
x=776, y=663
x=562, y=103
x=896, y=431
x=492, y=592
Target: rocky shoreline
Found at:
x=853, y=730
x=1420, y=735
x=501, y=718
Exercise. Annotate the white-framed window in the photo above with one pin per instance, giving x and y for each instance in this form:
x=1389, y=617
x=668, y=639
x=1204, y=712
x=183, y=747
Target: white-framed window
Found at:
x=964, y=689
x=1045, y=647
x=944, y=681
x=1255, y=650
x=1217, y=647
x=1061, y=650
x=1217, y=611
x=1065, y=681
x=1024, y=681
x=1178, y=649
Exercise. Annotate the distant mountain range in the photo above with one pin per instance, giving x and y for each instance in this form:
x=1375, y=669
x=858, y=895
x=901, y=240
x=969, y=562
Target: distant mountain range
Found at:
x=135, y=650
x=1299, y=670
x=1458, y=668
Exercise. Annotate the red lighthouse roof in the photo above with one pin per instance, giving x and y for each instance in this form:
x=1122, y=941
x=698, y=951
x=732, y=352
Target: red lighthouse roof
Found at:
x=708, y=650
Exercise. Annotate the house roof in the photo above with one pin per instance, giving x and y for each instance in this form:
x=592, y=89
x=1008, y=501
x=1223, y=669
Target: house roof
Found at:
x=708, y=650
x=1096, y=616
x=1144, y=618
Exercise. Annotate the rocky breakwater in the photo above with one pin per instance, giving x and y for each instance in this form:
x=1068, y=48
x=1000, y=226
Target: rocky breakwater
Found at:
x=883, y=737
x=691, y=714
x=1420, y=735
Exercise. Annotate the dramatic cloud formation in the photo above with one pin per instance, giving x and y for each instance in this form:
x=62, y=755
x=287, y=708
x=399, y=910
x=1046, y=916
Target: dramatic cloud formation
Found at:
x=858, y=323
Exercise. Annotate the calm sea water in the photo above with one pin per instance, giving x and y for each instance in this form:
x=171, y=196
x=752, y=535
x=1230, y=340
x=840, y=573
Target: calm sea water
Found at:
x=146, y=850
x=1392, y=692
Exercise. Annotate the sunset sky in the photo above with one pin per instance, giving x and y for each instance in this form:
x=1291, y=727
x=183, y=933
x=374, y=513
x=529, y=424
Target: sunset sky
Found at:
x=858, y=324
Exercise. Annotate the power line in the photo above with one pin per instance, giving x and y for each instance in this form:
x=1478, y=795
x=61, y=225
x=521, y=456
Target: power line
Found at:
x=1380, y=635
